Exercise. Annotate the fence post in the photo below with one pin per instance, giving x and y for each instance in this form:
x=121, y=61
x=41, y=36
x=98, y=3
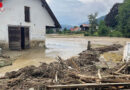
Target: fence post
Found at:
x=89, y=45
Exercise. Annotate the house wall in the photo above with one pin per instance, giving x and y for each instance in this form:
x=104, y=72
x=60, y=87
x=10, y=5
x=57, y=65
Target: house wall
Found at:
x=14, y=15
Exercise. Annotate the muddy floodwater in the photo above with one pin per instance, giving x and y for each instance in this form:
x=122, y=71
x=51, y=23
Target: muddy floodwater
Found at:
x=62, y=46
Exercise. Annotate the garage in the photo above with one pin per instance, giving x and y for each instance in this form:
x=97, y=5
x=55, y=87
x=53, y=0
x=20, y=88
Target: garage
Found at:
x=18, y=37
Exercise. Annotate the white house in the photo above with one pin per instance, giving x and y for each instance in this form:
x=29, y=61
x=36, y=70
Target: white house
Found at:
x=23, y=23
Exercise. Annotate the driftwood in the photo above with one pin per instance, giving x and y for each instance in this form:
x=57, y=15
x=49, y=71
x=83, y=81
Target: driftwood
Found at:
x=56, y=77
x=90, y=85
x=73, y=81
x=61, y=61
x=75, y=65
x=102, y=79
x=99, y=74
x=86, y=79
x=115, y=81
x=118, y=71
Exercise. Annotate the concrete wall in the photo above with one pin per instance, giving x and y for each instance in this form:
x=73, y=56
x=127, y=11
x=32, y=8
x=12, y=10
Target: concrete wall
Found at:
x=14, y=15
x=126, y=55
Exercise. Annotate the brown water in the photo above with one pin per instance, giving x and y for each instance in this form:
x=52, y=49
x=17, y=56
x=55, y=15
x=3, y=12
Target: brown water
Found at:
x=64, y=47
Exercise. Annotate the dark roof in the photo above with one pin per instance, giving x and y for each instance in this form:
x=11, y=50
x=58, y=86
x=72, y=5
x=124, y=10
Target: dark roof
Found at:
x=44, y=4
x=85, y=25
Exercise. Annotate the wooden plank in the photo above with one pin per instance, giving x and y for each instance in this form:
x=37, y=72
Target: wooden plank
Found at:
x=26, y=33
x=115, y=81
x=118, y=71
x=87, y=85
x=14, y=38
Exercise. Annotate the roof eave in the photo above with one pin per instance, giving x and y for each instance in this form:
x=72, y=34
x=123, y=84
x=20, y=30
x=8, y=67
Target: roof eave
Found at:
x=57, y=24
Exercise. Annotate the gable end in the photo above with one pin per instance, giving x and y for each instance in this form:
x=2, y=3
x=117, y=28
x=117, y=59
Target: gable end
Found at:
x=44, y=4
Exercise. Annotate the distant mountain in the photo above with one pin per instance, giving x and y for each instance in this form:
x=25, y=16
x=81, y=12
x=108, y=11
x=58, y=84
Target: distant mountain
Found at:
x=101, y=18
x=66, y=26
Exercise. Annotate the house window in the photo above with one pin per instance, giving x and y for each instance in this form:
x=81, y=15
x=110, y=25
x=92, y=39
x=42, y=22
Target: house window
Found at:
x=27, y=13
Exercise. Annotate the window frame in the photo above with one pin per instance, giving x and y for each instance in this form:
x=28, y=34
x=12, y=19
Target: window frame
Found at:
x=27, y=14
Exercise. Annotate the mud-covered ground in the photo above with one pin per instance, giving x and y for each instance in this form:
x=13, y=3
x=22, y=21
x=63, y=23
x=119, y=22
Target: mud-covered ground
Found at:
x=84, y=68
x=63, y=46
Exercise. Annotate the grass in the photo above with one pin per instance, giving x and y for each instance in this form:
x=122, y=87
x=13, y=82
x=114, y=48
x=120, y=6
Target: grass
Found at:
x=113, y=56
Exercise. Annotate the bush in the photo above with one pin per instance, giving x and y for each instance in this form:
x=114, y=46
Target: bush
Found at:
x=95, y=34
x=87, y=34
x=115, y=33
x=49, y=31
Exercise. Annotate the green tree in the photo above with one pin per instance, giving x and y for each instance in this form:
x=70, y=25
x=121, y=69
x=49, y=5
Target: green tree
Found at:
x=93, y=22
x=49, y=31
x=103, y=29
x=65, y=29
x=115, y=33
x=124, y=18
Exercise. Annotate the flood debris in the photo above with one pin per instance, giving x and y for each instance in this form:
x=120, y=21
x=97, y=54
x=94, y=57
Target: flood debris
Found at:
x=5, y=60
x=75, y=70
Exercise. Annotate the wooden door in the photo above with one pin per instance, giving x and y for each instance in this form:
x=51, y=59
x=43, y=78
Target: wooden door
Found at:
x=14, y=38
x=26, y=34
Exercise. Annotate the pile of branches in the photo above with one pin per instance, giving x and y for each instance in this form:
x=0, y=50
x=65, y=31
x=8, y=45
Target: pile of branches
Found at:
x=76, y=70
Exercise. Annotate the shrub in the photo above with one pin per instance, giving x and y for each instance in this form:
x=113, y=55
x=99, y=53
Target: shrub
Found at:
x=95, y=34
x=87, y=34
x=115, y=33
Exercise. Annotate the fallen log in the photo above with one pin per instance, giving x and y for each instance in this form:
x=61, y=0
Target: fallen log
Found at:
x=108, y=79
x=115, y=81
x=87, y=85
x=118, y=71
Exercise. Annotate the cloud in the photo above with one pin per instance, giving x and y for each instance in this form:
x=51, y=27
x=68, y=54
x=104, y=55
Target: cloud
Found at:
x=48, y=1
x=88, y=1
x=73, y=12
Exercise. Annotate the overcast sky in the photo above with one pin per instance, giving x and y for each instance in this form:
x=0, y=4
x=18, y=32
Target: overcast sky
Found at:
x=73, y=12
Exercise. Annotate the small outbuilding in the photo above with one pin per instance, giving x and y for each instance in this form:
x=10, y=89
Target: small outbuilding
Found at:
x=84, y=27
x=23, y=23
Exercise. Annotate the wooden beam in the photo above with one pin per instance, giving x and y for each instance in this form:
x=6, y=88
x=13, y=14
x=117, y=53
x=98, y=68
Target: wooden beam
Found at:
x=87, y=85
x=118, y=71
